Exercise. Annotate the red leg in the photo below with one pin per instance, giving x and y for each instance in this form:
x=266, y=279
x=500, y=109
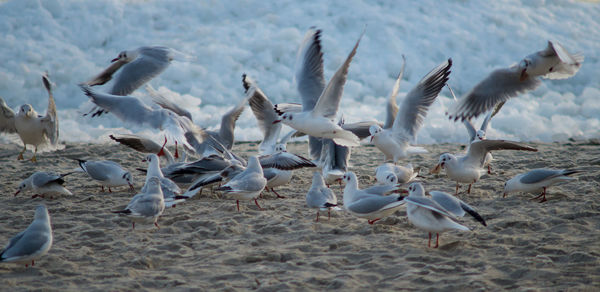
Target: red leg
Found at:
x=317, y=216
x=328, y=214
x=156, y=224
x=544, y=195
x=256, y=202
x=456, y=192
x=278, y=195
x=489, y=169
x=373, y=221
x=102, y=188
x=109, y=190
x=469, y=190
x=437, y=240
x=26, y=265
x=32, y=263
x=132, y=225
x=237, y=202
x=176, y=151
x=429, y=243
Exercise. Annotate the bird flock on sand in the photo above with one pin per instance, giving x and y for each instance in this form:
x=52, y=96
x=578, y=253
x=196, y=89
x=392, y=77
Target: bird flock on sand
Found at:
x=204, y=159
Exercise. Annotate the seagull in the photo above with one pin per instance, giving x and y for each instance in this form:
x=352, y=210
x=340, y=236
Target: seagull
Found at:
x=319, y=121
x=392, y=174
x=553, y=62
x=246, y=185
x=427, y=214
x=146, y=206
x=391, y=106
x=455, y=206
x=319, y=196
x=538, y=180
x=468, y=168
x=42, y=183
x=368, y=204
x=163, y=102
x=394, y=141
x=206, y=142
x=334, y=160
x=32, y=243
x=108, y=173
x=168, y=187
x=132, y=110
x=33, y=129
x=137, y=67
x=145, y=145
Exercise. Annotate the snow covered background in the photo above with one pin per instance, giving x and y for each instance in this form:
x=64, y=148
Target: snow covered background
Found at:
x=74, y=40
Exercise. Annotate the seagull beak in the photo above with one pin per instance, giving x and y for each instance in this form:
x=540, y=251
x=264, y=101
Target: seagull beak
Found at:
x=504, y=196
x=131, y=187
x=524, y=75
x=276, y=121
x=436, y=169
x=371, y=140
x=18, y=191
x=403, y=191
x=144, y=160
x=114, y=60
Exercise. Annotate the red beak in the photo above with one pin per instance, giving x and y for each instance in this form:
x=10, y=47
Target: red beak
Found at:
x=114, y=60
x=131, y=187
x=18, y=191
x=371, y=139
x=523, y=75
x=276, y=121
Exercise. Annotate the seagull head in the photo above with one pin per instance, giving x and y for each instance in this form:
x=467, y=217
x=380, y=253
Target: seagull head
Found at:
x=480, y=135
x=28, y=111
x=22, y=186
x=127, y=177
x=444, y=158
x=126, y=56
x=280, y=148
x=391, y=179
x=523, y=66
x=374, y=130
x=416, y=190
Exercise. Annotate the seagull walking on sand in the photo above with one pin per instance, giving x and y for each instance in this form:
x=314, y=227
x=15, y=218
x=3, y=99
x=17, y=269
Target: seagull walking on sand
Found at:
x=108, y=173
x=469, y=168
x=369, y=204
x=42, y=183
x=319, y=121
x=553, y=62
x=538, y=180
x=169, y=188
x=33, y=129
x=247, y=185
x=146, y=206
x=32, y=243
x=395, y=142
x=320, y=197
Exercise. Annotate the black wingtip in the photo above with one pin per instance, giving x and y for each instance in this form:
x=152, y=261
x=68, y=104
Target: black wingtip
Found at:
x=329, y=205
x=245, y=83
x=126, y=211
x=46, y=81
x=473, y=213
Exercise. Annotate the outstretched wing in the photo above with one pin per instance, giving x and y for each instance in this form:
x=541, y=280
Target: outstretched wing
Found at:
x=392, y=106
x=265, y=115
x=309, y=69
x=7, y=118
x=50, y=121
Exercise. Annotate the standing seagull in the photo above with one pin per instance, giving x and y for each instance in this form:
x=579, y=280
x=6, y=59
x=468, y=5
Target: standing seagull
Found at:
x=395, y=141
x=368, y=204
x=319, y=121
x=137, y=66
x=146, y=206
x=428, y=215
x=553, y=62
x=42, y=183
x=31, y=243
x=538, y=180
x=320, y=196
x=168, y=187
x=33, y=129
x=247, y=185
x=108, y=173
x=470, y=167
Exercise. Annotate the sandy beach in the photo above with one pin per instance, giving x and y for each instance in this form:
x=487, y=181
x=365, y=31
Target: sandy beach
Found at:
x=205, y=244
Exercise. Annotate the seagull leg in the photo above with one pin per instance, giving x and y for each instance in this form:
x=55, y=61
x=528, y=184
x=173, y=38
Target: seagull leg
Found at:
x=102, y=188
x=278, y=195
x=156, y=224
x=256, y=202
x=489, y=169
x=20, y=157
x=373, y=221
x=132, y=225
x=237, y=202
x=33, y=159
x=456, y=192
x=317, y=216
x=544, y=196
x=437, y=240
x=469, y=190
x=32, y=263
x=109, y=190
x=176, y=151
x=328, y=214
x=429, y=243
